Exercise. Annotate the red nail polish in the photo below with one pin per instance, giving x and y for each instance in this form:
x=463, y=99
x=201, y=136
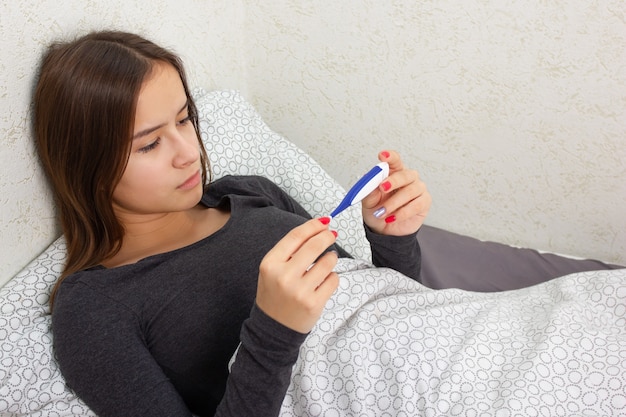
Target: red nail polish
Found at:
x=385, y=154
x=390, y=219
x=386, y=185
x=324, y=220
x=334, y=232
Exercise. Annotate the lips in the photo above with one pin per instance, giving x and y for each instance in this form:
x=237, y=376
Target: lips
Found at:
x=191, y=182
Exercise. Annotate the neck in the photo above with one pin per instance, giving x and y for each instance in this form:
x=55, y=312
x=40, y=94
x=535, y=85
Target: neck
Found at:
x=149, y=235
x=157, y=227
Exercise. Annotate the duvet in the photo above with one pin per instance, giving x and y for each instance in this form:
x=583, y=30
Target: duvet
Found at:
x=388, y=346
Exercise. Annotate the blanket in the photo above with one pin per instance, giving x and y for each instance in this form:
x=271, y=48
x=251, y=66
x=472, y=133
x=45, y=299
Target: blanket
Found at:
x=445, y=352
x=388, y=346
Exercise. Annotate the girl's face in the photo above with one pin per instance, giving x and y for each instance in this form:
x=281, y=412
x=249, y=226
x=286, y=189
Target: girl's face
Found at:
x=163, y=173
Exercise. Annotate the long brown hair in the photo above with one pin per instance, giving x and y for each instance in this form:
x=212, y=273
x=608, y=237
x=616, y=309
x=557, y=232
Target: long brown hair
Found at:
x=84, y=110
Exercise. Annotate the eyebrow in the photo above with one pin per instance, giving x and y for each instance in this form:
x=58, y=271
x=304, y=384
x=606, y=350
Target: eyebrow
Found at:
x=149, y=130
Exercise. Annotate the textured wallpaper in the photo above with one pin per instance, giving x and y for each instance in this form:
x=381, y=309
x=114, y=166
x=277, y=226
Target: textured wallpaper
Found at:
x=207, y=34
x=513, y=112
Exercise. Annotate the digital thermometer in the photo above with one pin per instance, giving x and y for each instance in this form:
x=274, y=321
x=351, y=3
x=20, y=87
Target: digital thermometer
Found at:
x=365, y=185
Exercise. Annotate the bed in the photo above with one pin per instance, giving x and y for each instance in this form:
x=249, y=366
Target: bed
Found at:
x=399, y=348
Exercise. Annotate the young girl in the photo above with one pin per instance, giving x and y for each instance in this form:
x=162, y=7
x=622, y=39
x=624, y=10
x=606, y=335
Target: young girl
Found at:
x=167, y=272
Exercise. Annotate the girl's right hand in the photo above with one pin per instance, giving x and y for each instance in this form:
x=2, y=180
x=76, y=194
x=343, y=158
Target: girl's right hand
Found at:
x=290, y=289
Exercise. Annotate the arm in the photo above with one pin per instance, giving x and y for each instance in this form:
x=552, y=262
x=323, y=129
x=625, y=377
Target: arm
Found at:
x=291, y=295
x=393, y=214
x=276, y=196
x=392, y=236
x=104, y=360
x=261, y=372
x=401, y=253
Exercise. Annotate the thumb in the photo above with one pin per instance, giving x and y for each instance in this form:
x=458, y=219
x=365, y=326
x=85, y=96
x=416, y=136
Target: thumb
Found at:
x=372, y=200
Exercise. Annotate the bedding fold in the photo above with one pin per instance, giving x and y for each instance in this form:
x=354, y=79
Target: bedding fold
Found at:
x=388, y=346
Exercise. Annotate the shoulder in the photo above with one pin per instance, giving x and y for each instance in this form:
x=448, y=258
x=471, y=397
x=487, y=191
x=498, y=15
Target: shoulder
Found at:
x=242, y=185
x=83, y=309
x=86, y=294
x=253, y=191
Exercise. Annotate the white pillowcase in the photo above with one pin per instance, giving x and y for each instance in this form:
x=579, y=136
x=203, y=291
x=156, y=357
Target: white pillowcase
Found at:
x=30, y=381
x=238, y=142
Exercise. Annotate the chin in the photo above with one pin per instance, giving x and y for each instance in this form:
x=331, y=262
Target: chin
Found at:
x=195, y=195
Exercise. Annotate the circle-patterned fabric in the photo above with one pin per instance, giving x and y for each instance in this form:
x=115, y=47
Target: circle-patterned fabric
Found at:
x=30, y=381
x=388, y=346
x=385, y=345
x=238, y=142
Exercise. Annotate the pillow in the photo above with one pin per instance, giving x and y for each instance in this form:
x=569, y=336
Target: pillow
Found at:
x=30, y=381
x=239, y=142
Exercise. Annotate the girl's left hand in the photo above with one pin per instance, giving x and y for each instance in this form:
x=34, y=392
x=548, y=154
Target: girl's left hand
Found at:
x=400, y=204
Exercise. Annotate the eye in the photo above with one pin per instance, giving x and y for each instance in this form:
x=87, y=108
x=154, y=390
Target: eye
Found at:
x=149, y=146
x=184, y=121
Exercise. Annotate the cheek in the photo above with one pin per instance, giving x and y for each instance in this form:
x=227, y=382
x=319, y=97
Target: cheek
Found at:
x=137, y=181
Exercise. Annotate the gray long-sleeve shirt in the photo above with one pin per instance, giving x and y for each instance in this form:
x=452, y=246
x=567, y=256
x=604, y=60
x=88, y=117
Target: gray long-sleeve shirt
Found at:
x=154, y=338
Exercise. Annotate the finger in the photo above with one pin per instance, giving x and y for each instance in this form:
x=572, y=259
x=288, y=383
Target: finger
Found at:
x=393, y=159
x=311, y=250
x=292, y=241
x=324, y=265
x=399, y=180
x=327, y=287
x=401, y=196
x=394, y=189
x=417, y=207
x=375, y=197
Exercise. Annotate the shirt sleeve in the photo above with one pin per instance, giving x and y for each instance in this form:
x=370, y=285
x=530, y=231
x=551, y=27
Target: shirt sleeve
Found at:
x=261, y=372
x=401, y=253
x=265, y=188
x=104, y=359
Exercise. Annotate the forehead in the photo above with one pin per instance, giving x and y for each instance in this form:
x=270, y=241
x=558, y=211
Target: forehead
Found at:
x=161, y=94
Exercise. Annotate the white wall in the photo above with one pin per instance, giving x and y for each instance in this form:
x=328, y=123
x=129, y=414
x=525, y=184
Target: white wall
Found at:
x=207, y=34
x=513, y=113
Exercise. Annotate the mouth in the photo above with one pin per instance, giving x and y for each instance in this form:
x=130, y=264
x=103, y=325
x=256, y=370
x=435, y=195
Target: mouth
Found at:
x=191, y=182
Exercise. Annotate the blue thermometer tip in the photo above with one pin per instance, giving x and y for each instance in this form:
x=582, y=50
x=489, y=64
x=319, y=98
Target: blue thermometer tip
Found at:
x=365, y=185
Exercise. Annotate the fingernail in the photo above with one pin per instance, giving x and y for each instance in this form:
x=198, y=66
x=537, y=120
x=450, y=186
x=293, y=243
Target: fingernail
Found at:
x=386, y=185
x=324, y=220
x=385, y=154
x=379, y=213
x=334, y=232
x=390, y=219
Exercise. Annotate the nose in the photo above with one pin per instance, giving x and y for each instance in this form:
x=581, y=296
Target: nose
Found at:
x=187, y=150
